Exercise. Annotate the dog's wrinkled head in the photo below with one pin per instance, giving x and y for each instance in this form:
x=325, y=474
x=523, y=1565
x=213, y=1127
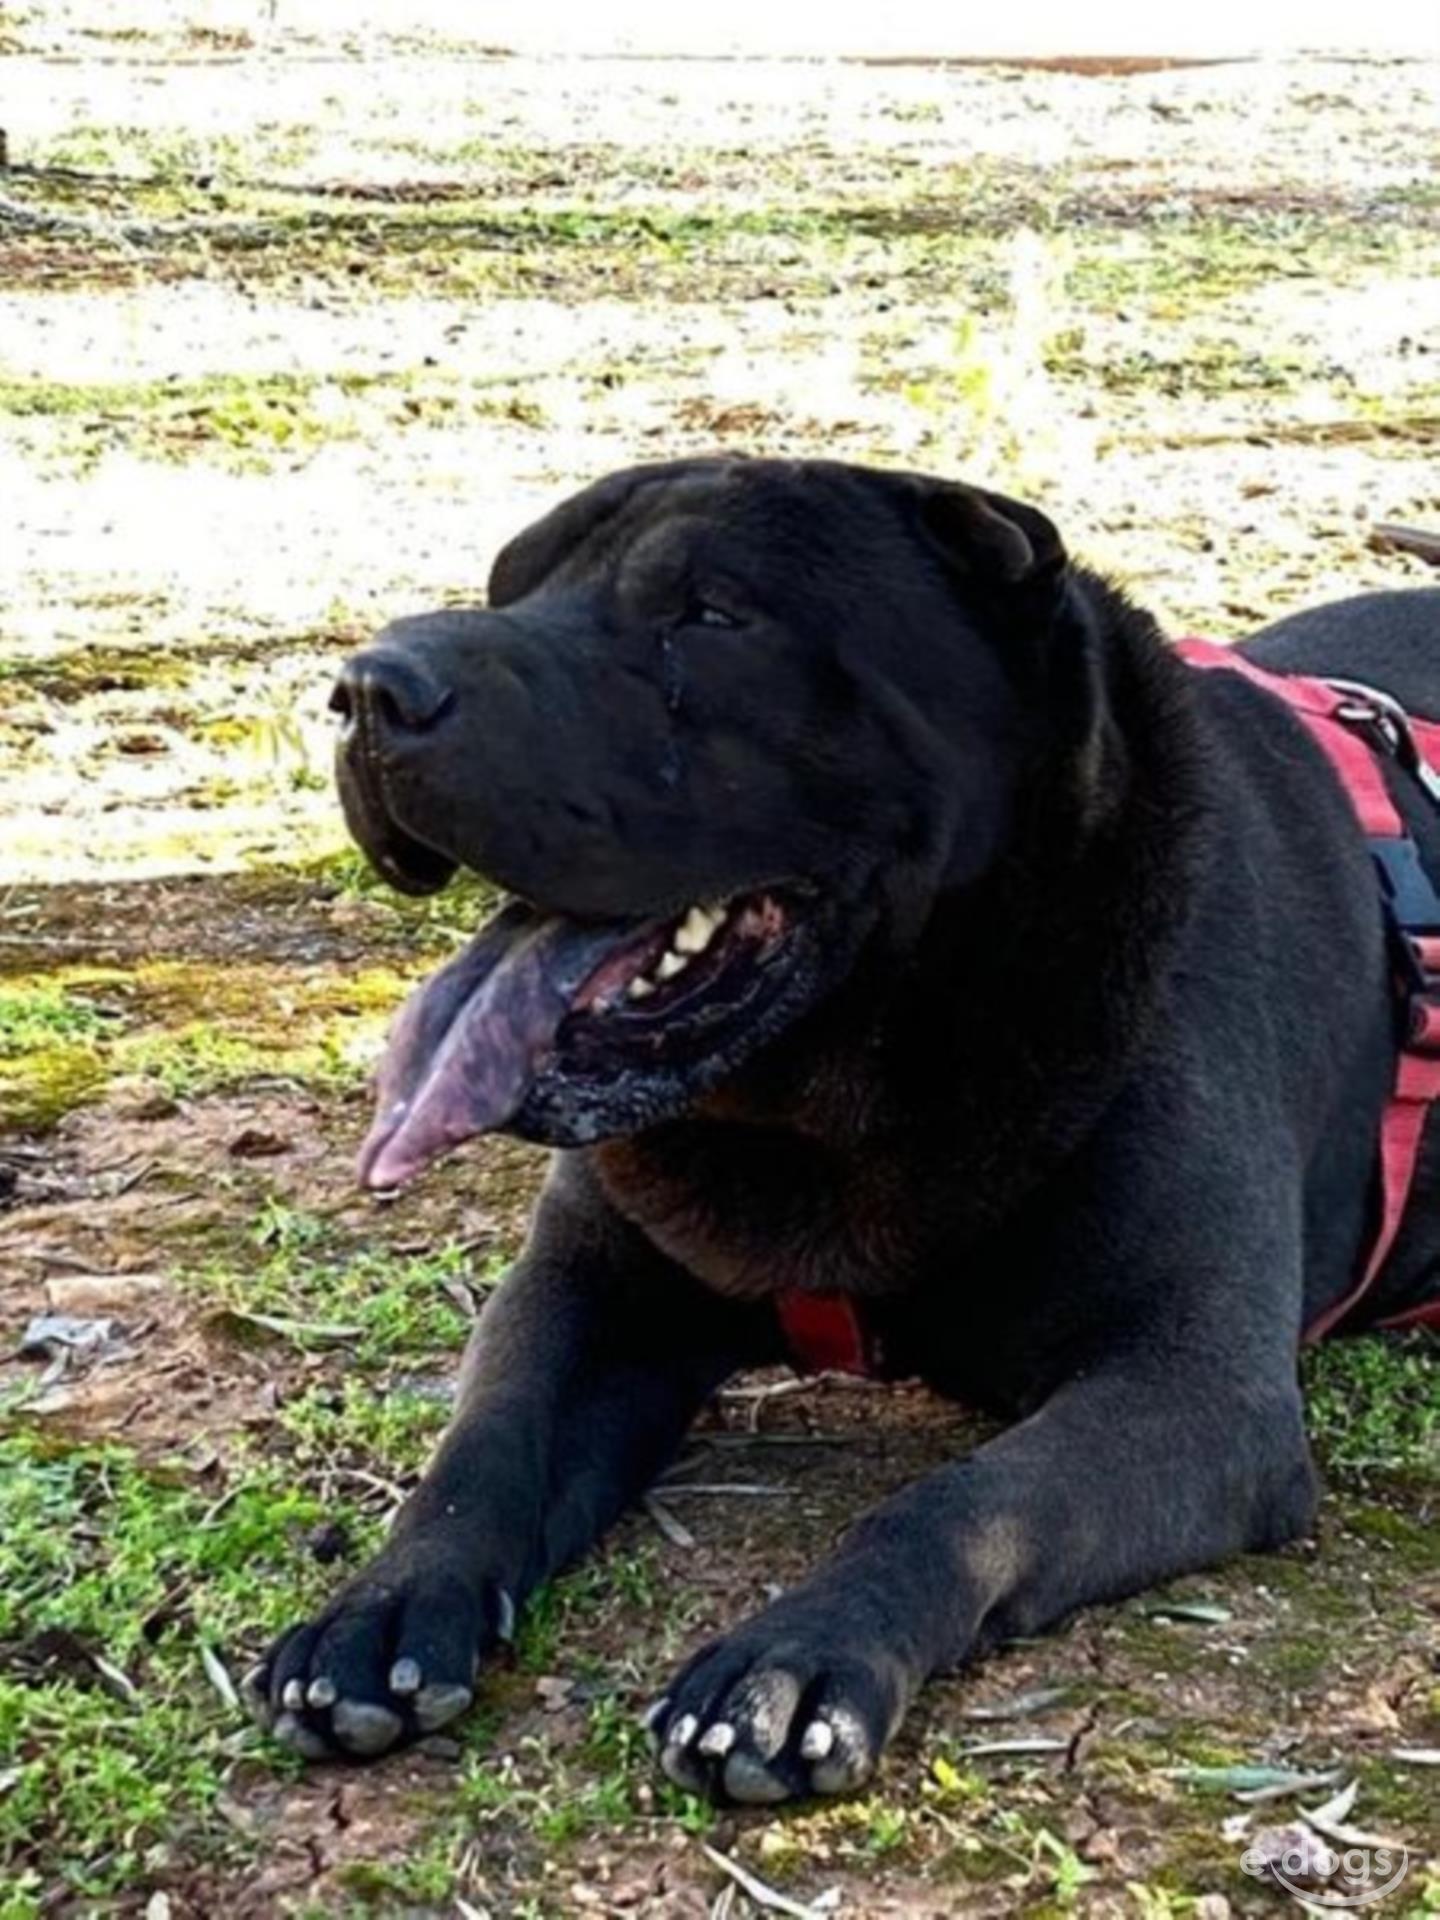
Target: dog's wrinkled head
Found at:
x=722, y=723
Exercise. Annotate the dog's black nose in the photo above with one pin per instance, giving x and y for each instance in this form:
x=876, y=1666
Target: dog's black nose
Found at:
x=391, y=688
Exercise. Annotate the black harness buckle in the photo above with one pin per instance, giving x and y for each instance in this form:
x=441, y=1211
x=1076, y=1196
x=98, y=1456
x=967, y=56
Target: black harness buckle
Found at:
x=1411, y=902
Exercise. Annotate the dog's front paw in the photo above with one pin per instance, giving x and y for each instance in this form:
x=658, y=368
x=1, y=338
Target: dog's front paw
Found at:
x=392, y=1658
x=778, y=1710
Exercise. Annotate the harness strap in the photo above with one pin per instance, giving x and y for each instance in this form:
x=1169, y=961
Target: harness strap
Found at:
x=1334, y=714
x=1353, y=726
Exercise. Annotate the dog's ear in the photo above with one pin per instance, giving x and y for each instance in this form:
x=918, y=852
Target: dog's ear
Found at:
x=541, y=549
x=988, y=539
x=527, y=561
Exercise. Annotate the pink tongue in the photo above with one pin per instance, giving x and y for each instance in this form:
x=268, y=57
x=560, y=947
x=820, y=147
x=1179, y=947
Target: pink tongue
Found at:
x=468, y=1043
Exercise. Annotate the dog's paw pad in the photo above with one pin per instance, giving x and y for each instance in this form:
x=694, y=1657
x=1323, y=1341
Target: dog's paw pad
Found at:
x=436, y=1705
x=293, y=1733
x=363, y=1728
x=751, y=1783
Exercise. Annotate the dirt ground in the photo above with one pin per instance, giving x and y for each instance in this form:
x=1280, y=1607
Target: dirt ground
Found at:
x=293, y=332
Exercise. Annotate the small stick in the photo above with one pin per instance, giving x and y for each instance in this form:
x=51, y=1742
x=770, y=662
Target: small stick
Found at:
x=753, y=1488
x=674, y=1532
x=1425, y=545
x=771, y=1897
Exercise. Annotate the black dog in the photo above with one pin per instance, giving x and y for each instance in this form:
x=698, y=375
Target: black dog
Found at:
x=900, y=931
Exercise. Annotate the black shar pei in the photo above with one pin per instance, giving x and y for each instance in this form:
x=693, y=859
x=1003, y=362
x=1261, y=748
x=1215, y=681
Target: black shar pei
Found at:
x=917, y=964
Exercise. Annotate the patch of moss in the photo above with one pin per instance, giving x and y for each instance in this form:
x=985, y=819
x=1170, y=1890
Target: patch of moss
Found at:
x=186, y=1027
x=1410, y=1541
x=1400, y=1796
x=1293, y=1662
x=47, y=1084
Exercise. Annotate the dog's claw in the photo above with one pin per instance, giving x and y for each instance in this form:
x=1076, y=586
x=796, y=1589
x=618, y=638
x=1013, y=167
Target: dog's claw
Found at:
x=255, y=1697
x=405, y=1676
x=505, y=1616
x=655, y=1713
x=322, y=1692
x=717, y=1741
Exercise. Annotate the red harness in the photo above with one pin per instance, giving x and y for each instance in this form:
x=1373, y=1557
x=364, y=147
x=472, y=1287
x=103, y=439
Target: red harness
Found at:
x=1354, y=726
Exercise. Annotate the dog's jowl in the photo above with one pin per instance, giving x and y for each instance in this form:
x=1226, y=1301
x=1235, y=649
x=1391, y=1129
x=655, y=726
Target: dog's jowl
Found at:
x=915, y=962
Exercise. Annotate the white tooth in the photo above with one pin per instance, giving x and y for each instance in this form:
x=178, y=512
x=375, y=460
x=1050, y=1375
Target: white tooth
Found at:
x=639, y=987
x=670, y=965
x=697, y=930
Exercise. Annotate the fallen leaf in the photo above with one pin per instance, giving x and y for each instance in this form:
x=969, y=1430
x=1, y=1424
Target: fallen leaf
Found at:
x=1251, y=1782
x=1019, y=1707
x=50, y=1336
x=243, y=1324
x=987, y=1749
x=1207, y=1613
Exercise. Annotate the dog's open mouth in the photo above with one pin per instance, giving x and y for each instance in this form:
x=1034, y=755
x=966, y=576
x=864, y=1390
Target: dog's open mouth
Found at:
x=535, y=995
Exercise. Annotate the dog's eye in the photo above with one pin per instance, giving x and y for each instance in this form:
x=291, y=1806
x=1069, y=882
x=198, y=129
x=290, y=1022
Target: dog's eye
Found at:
x=702, y=613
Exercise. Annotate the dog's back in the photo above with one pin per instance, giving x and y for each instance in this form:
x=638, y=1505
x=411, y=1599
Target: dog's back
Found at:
x=1388, y=640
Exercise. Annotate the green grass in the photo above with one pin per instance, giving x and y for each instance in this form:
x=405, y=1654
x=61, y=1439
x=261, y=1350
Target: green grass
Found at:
x=247, y=421
x=301, y=1272
x=436, y=919
x=101, y=1557
x=171, y=157
x=506, y=237
x=1374, y=1405
x=1205, y=367
x=74, y=672
x=39, y=1017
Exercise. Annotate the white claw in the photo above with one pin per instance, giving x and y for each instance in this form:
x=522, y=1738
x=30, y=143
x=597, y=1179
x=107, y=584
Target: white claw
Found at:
x=717, y=1740
x=683, y=1731
x=405, y=1675
x=505, y=1610
x=655, y=1713
x=293, y=1695
x=817, y=1740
